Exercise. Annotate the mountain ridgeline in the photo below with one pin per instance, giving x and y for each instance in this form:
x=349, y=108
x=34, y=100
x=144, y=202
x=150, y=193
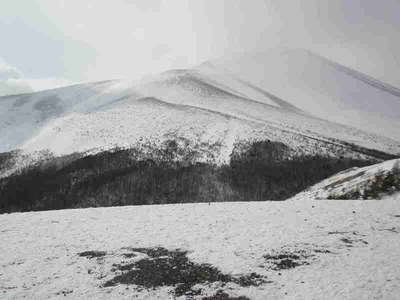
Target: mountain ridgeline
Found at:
x=257, y=171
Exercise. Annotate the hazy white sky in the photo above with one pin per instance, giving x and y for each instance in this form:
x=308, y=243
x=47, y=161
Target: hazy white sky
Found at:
x=50, y=43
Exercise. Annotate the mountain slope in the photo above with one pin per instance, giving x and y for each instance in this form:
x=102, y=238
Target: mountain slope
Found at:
x=208, y=104
x=372, y=182
x=321, y=87
x=22, y=116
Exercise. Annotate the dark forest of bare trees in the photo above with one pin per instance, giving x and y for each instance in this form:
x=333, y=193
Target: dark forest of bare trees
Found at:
x=120, y=177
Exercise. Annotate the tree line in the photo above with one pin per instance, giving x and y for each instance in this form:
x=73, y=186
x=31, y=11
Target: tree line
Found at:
x=262, y=171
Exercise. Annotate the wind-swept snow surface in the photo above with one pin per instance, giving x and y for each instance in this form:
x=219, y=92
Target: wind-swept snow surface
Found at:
x=301, y=249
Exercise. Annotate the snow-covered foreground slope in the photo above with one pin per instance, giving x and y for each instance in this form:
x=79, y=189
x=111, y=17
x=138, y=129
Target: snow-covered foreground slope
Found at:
x=355, y=181
x=319, y=86
x=346, y=249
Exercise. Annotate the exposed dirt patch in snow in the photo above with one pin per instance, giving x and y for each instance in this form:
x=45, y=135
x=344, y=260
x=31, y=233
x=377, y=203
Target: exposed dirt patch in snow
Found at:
x=92, y=254
x=286, y=260
x=152, y=268
x=221, y=295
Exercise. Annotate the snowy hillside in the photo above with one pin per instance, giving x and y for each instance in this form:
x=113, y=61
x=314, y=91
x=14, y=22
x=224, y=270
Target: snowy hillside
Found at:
x=321, y=87
x=23, y=116
x=191, y=104
x=209, y=104
x=210, y=110
x=267, y=250
x=372, y=182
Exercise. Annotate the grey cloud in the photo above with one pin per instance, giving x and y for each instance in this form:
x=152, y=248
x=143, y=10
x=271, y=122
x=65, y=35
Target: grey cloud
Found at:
x=146, y=5
x=11, y=82
x=8, y=72
x=125, y=38
x=160, y=50
x=13, y=86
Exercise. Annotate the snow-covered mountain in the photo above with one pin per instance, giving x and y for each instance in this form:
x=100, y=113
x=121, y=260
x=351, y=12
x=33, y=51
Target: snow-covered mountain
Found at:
x=376, y=181
x=310, y=104
x=284, y=121
x=321, y=87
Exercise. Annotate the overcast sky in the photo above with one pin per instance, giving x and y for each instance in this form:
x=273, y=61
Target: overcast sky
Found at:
x=48, y=43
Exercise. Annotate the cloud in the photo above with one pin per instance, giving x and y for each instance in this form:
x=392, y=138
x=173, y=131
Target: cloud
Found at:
x=8, y=72
x=146, y=5
x=13, y=87
x=97, y=40
x=12, y=81
x=48, y=83
x=160, y=51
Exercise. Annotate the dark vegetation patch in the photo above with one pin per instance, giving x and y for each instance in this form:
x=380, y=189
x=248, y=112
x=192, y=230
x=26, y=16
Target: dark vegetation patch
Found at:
x=64, y=292
x=285, y=258
x=354, y=233
x=349, y=242
x=337, y=232
x=343, y=180
x=382, y=184
x=221, y=295
x=7, y=160
x=346, y=241
x=92, y=254
x=349, y=238
x=370, y=152
x=261, y=171
x=252, y=279
x=151, y=252
x=284, y=261
x=162, y=267
x=323, y=251
x=129, y=255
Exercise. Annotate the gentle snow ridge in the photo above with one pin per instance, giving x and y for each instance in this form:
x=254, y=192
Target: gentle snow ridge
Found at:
x=354, y=179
